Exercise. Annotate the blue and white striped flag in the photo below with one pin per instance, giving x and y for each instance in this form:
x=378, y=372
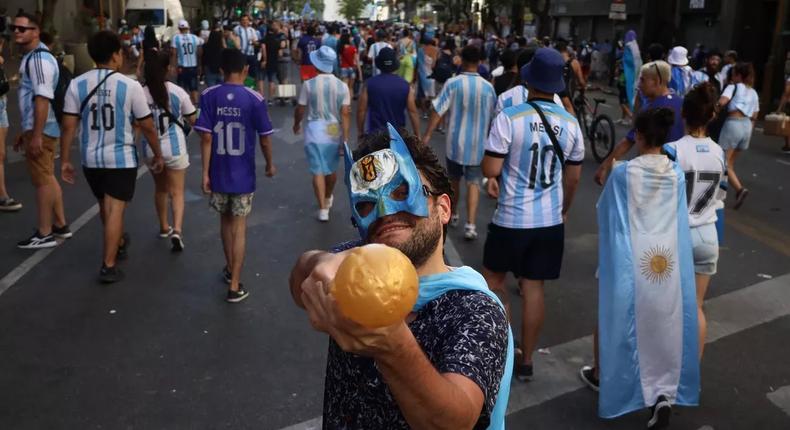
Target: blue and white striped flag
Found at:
x=632, y=63
x=307, y=10
x=647, y=313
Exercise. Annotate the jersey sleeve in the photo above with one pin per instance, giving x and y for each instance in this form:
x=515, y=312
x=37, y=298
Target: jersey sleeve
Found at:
x=138, y=103
x=187, y=108
x=205, y=121
x=499, y=137
x=303, y=96
x=671, y=149
x=728, y=91
x=71, y=103
x=43, y=74
x=576, y=155
x=263, y=125
x=442, y=103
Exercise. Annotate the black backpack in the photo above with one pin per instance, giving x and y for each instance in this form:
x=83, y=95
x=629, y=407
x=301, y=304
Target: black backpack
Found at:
x=64, y=79
x=443, y=69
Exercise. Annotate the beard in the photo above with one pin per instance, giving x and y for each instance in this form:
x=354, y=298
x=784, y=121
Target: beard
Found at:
x=425, y=236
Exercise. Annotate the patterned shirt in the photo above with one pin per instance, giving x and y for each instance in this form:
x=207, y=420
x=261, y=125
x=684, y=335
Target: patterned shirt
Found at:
x=235, y=116
x=106, y=136
x=186, y=46
x=531, y=193
x=324, y=96
x=171, y=136
x=41, y=81
x=461, y=332
x=470, y=100
x=247, y=37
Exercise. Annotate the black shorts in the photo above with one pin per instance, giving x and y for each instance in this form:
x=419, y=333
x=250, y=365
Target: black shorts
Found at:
x=255, y=67
x=188, y=79
x=116, y=183
x=530, y=253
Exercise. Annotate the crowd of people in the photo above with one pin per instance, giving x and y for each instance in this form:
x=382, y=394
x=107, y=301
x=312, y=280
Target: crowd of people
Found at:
x=505, y=108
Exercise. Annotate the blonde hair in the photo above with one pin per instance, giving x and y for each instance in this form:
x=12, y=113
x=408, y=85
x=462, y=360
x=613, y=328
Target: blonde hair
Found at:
x=660, y=70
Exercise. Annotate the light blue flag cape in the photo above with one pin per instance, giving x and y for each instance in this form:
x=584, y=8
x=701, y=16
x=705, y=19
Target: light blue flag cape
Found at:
x=466, y=278
x=647, y=307
x=632, y=62
x=307, y=10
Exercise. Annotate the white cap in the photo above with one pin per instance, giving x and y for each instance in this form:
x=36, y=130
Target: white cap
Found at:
x=678, y=56
x=183, y=24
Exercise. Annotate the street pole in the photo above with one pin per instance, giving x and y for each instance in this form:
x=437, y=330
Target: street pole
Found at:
x=770, y=65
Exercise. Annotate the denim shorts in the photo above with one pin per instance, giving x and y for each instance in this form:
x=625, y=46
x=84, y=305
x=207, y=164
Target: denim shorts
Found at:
x=705, y=244
x=3, y=112
x=472, y=174
x=736, y=133
x=347, y=72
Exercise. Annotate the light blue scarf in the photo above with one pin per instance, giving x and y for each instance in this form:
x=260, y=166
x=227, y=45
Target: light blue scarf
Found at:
x=466, y=278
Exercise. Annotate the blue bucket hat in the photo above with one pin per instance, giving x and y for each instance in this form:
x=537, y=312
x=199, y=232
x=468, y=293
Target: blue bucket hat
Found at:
x=544, y=72
x=324, y=59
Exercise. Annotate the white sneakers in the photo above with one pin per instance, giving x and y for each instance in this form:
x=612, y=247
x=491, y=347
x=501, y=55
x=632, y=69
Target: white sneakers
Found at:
x=470, y=232
x=323, y=215
x=330, y=201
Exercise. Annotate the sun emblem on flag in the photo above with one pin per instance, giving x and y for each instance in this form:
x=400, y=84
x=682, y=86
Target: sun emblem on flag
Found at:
x=333, y=130
x=656, y=264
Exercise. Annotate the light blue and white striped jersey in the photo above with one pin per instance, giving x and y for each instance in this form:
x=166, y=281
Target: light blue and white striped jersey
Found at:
x=186, y=46
x=247, y=37
x=41, y=81
x=530, y=189
x=106, y=136
x=171, y=136
x=470, y=100
x=324, y=96
x=516, y=96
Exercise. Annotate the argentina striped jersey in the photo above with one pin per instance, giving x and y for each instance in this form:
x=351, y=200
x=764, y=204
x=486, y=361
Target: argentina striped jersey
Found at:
x=171, y=136
x=470, y=100
x=186, y=46
x=530, y=188
x=324, y=96
x=41, y=81
x=247, y=37
x=516, y=96
x=105, y=132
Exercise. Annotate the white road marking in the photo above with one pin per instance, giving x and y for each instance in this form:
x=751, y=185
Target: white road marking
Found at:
x=781, y=398
x=785, y=162
x=19, y=271
x=728, y=314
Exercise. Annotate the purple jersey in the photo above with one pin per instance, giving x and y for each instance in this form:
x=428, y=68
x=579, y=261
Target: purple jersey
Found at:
x=308, y=44
x=671, y=102
x=235, y=116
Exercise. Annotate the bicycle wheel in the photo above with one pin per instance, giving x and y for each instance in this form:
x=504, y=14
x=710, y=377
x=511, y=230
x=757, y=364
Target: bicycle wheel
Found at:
x=602, y=137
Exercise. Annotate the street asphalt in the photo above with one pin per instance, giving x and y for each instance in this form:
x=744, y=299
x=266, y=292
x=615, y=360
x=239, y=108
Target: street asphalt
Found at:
x=162, y=350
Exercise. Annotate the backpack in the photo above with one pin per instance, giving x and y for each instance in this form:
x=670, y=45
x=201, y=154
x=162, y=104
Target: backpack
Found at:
x=64, y=79
x=443, y=69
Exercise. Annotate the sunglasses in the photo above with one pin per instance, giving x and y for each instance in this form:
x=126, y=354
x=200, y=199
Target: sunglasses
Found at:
x=658, y=73
x=20, y=28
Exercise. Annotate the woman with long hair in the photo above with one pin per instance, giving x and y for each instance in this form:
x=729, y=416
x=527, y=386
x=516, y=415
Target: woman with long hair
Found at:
x=151, y=45
x=212, y=54
x=743, y=105
x=702, y=160
x=348, y=61
x=171, y=108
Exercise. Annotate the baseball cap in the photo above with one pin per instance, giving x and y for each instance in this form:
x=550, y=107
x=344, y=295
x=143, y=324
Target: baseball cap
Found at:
x=387, y=60
x=183, y=24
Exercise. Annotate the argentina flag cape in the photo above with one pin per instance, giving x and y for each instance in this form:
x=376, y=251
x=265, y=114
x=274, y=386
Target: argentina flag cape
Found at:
x=632, y=62
x=647, y=310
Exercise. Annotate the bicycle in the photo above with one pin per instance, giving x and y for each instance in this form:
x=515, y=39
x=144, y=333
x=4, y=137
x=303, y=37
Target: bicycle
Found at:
x=600, y=132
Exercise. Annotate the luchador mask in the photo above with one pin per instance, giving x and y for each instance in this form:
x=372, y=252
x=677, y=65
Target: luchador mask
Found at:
x=376, y=184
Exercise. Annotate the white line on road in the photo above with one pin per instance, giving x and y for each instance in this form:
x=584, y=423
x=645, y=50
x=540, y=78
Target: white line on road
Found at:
x=727, y=314
x=19, y=271
x=786, y=163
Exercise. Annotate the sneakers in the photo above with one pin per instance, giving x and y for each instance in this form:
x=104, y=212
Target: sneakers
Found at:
x=37, y=241
x=587, y=375
x=323, y=215
x=62, y=232
x=470, y=232
x=524, y=372
x=109, y=275
x=7, y=204
x=454, y=220
x=740, y=196
x=659, y=414
x=226, y=276
x=237, y=296
x=166, y=234
x=123, y=250
x=177, y=245
x=329, y=201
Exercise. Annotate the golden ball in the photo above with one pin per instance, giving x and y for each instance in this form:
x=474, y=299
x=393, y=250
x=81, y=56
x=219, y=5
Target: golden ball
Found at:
x=376, y=286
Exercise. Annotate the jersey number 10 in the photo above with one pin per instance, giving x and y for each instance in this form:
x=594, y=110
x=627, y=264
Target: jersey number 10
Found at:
x=107, y=112
x=225, y=141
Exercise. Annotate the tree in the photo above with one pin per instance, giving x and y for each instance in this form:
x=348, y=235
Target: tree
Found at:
x=351, y=9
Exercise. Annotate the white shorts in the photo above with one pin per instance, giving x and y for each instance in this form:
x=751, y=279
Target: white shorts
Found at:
x=179, y=162
x=705, y=244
